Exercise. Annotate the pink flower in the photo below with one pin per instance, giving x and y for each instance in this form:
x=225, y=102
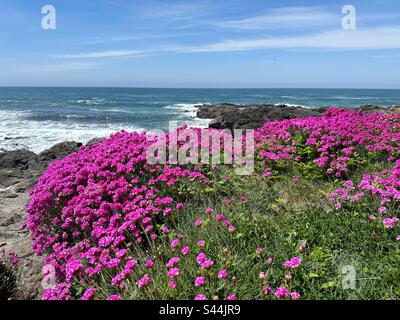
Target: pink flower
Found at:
x=172, y=262
x=201, y=243
x=198, y=223
x=295, y=180
x=372, y=217
x=222, y=274
x=382, y=210
x=174, y=244
x=207, y=264
x=185, y=250
x=262, y=275
x=88, y=294
x=281, y=292
x=259, y=251
x=267, y=290
x=114, y=297
x=295, y=295
x=179, y=205
x=243, y=198
x=144, y=281
x=390, y=223
x=231, y=229
x=201, y=257
x=199, y=282
x=269, y=261
x=209, y=210
x=149, y=263
x=131, y=264
x=165, y=229
x=303, y=246
x=231, y=296
x=292, y=263
x=200, y=297
x=228, y=202
x=172, y=284
x=173, y=273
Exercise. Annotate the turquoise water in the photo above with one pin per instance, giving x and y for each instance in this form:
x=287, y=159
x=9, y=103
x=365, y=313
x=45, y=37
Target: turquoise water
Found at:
x=37, y=118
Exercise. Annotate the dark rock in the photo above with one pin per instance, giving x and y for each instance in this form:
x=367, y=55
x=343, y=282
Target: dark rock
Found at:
x=94, y=141
x=17, y=159
x=231, y=116
x=19, y=171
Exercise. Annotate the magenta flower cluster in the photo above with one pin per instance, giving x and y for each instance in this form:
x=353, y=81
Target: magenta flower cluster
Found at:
x=87, y=209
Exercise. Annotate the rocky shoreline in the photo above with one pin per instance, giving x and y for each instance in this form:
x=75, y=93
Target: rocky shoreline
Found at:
x=233, y=116
x=20, y=170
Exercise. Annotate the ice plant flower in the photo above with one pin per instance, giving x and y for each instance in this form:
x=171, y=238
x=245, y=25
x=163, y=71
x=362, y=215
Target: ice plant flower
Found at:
x=390, y=223
x=292, y=263
x=144, y=281
x=267, y=290
x=149, y=263
x=172, y=262
x=185, y=250
x=201, y=243
x=281, y=292
x=295, y=295
x=88, y=294
x=222, y=274
x=198, y=223
x=173, y=272
x=199, y=282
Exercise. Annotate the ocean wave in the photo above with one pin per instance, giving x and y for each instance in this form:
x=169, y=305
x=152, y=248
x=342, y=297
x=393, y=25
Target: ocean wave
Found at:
x=354, y=98
x=18, y=130
x=294, y=105
x=90, y=102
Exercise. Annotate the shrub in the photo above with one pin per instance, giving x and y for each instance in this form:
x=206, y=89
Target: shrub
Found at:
x=113, y=226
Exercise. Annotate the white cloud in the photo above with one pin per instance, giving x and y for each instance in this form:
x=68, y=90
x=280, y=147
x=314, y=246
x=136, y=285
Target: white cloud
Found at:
x=359, y=39
x=100, y=54
x=289, y=17
x=339, y=39
x=69, y=66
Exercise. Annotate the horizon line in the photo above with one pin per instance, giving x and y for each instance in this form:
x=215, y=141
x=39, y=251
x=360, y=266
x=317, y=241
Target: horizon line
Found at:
x=205, y=88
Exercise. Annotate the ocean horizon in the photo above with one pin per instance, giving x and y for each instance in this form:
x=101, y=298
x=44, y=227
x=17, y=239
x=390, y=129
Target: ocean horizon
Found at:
x=36, y=118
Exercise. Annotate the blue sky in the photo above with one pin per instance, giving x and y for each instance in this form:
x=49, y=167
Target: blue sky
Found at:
x=210, y=43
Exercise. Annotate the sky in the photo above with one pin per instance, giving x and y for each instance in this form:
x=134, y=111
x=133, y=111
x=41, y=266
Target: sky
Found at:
x=193, y=43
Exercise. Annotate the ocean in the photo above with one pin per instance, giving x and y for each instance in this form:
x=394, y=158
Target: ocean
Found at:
x=37, y=118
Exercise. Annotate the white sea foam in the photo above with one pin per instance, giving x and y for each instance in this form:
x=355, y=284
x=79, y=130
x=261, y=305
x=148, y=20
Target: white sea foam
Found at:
x=294, y=105
x=18, y=131
x=187, y=113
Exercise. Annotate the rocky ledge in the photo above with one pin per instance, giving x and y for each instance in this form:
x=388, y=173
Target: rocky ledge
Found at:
x=19, y=171
x=233, y=116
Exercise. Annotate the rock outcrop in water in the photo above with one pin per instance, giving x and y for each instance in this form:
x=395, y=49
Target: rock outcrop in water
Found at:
x=233, y=116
